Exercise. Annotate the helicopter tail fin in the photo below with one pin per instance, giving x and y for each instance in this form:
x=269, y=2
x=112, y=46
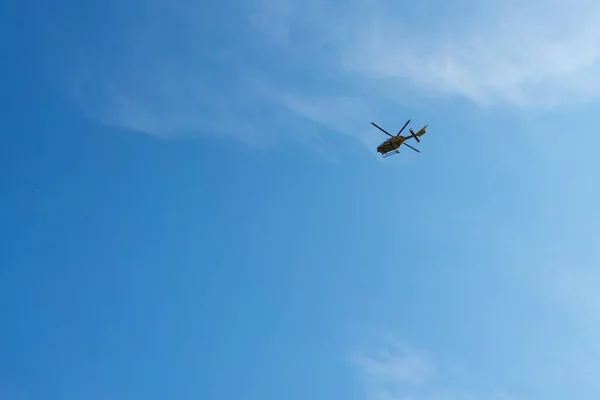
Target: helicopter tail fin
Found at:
x=421, y=132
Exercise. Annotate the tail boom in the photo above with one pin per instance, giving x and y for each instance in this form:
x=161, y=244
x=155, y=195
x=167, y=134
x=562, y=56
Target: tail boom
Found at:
x=421, y=132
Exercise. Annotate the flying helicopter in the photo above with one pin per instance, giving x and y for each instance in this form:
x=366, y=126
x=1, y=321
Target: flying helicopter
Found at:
x=390, y=146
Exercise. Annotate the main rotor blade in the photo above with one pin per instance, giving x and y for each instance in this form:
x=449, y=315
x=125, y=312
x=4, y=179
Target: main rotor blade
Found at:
x=406, y=144
x=403, y=128
x=381, y=129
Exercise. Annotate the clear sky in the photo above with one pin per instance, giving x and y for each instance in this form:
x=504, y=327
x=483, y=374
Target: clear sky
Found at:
x=191, y=205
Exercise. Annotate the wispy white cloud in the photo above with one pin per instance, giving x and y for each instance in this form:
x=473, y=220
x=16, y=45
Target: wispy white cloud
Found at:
x=326, y=60
x=397, y=364
x=395, y=371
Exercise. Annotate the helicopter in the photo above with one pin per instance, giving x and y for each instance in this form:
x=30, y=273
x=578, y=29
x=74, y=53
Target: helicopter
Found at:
x=390, y=146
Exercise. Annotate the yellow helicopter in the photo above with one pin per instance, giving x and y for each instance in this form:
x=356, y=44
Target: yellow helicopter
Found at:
x=390, y=146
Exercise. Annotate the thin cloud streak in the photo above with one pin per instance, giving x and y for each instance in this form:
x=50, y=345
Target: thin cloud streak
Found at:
x=493, y=52
x=342, y=55
x=396, y=371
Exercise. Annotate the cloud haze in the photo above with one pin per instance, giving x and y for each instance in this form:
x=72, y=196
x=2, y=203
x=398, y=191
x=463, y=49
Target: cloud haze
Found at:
x=189, y=69
x=396, y=371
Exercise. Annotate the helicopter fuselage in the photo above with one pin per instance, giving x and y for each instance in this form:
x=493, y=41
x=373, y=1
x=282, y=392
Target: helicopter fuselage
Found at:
x=391, y=144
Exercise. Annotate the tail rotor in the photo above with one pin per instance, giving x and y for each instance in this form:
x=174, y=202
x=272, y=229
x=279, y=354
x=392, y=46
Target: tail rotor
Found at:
x=412, y=133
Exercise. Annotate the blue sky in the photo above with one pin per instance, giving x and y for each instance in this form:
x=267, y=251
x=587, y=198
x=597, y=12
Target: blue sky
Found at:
x=192, y=205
